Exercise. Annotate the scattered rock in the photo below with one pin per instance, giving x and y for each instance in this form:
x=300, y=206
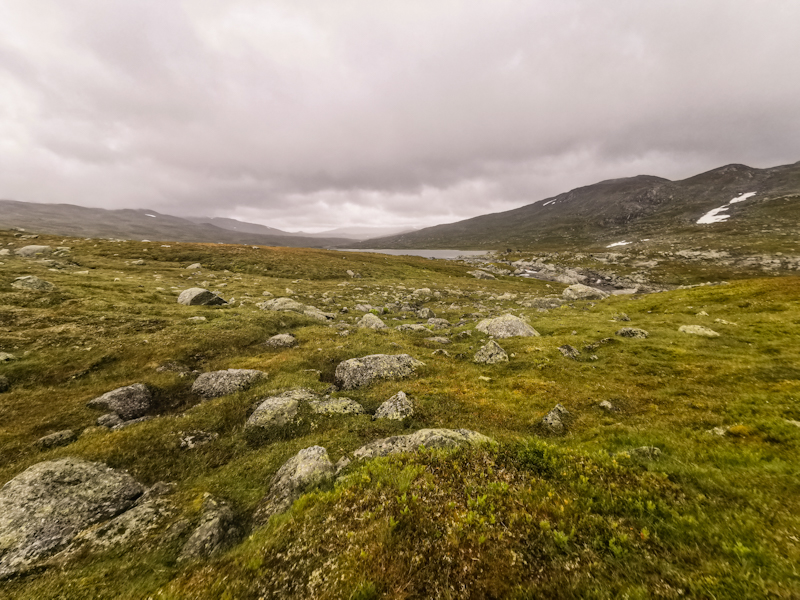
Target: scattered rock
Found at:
x=724, y=322
x=31, y=282
x=59, y=438
x=6, y=357
x=109, y=420
x=439, y=323
x=138, y=262
x=645, y=452
x=698, y=330
x=429, y=438
x=289, y=305
x=29, y=251
x=621, y=317
x=425, y=313
x=129, y=402
x=194, y=267
x=222, y=383
x=579, y=291
x=359, y=372
x=490, y=354
x=542, y=303
x=308, y=469
x=282, y=340
x=412, y=327
x=554, y=420
x=342, y=464
x=216, y=532
x=43, y=508
x=478, y=274
x=130, y=422
x=336, y=406
x=199, y=297
x=632, y=332
x=505, y=327
x=196, y=319
x=569, y=351
x=370, y=321
x=437, y=340
x=193, y=439
x=606, y=405
x=4, y=384
x=396, y=408
x=720, y=431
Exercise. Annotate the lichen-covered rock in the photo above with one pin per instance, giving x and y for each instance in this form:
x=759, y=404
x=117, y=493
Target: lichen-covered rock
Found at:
x=583, y=292
x=412, y=327
x=43, y=508
x=282, y=340
x=437, y=340
x=554, y=420
x=633, y=332
x=698, y=330
x=31, y=282
x=490, y=354
x=359, y=372
x=273, y=413
x=283, y=304
x=370, y=321
x=4, y=384
x=306, y=470
x=505, y=327
x=199, y=297
x=336, y=406
x=54, y=440
x=29, y=251
x=569, y=351
x=425, y=313
x=129, y=402
x=439, y=323
x=429, y=438
x=216, y=532
x=396, y=408
x=109, y=420
x=229, y=381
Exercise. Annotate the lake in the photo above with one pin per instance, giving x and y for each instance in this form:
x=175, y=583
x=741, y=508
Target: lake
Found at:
x=447, y=254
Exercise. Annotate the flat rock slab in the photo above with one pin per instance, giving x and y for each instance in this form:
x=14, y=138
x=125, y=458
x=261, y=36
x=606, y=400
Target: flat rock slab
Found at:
x=583, y=292
x=282, y=340
x=199, y=297
x=54, y=440
x=360, y=372
x=43, y=508
x=308, y=469
x=229, y=381
x=396, y=408
x=490, y=354
x=505, y=327
x=429, y=438
x=31, y=282
x=698, y=330
x=33, y=250
x=129, y=402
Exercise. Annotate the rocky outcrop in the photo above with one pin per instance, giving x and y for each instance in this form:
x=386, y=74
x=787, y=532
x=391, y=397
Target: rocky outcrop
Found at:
x=370, y=321
x=129, y=402
x=33, y=283
x=632, y=332
x=199, y=297
x=308, y=469
x=216, y=532
x=282, y=340
x=222, y=383
x=490, y=354
x=43, y=508
x=360, y=372
x=506, y=326
x=396, y=408
x=583, y=292
x=429, y=438
x=698, y=330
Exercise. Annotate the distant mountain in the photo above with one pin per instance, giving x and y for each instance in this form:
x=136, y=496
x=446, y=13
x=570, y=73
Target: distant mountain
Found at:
x=364, y=233
x=631, y=209
x=355, y=233
x=79, y=221
x=245, y=227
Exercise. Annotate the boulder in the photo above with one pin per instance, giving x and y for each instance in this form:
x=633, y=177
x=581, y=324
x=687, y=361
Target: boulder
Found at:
x=31, y=282
x=359, y=372
x=490, y=354
x=194, y=267
x=282, y=340
x=272, y=413
x=336, y=406
x=425, y=313
x=4, y=384
x=437, y=340
x=478, y=274
x=33, y=250
x=222, y=383
x=370, y=321
x=396, y=408
x=554, y=420
x=283, y=304
x=216, y=532
x=199, y=297
x=698, y=330
x=506, y=326
x=43, y=508
x=129, y=402
x=306, y=470
x=412, y=327
x=544, y=303
x=59, y=438
x=7, y=357
x=569, y=351
x=314, y=313
x=633, y=332
x=583, y=292
x=429, y=438
x=439, y=323
x=109, y=420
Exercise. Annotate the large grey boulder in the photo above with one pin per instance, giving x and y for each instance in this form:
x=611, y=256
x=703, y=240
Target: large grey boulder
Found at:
x=31, y=282
x=490, y=354
x=33, y=250
x=308, y=469
x=396, y=408
x=506, y=326
x=229, y=381
x=359, y=372
x=554, y=421
x=282, y=340
x=583, y=292
x=129, y=402
x=336, y=406
x=633, y=332
x=698, y=330
x=370, y=321
x=199, y=297
x=43, y=508
x=216, y=532
x=4, y=384
x=429, y=438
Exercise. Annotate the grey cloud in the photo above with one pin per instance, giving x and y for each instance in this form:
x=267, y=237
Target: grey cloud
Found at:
x=315, y=114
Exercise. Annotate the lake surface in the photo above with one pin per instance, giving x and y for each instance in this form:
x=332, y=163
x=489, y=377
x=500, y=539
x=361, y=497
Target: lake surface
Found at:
x=449, y=254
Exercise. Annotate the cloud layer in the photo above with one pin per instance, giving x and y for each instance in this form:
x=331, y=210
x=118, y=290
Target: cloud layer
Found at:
x=317, y=114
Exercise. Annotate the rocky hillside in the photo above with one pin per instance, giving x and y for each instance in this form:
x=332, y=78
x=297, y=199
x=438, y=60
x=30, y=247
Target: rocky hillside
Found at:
x=767, y=201
x=205, y=421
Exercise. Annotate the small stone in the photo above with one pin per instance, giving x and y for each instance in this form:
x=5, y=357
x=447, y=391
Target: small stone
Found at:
x=439, y=323
x=437, y=340
x=130, y=422
x=370, y=321
x=425, y=313
x=718, y=431
x=490, y=354
x=645, y=452
x=632, y=332
x=194, y=267
x=698, y=330
x=60, y=438
x=193, y=439
x=621, y=317
x=396, y=408
x=606, y=405
x=478, y=274
x=29, y=251
x=569, y=351
x=336, y=406
x=579, y=291
x=412, y=327
x=429, y=438
x=282, y=340
x=554, y=420
x=129, y=402
x=199, y=319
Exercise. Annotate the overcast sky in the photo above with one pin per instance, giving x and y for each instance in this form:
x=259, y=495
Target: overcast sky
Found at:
x=304, y=114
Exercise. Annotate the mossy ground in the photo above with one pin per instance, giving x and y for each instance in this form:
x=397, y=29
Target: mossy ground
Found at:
x=532, y=517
